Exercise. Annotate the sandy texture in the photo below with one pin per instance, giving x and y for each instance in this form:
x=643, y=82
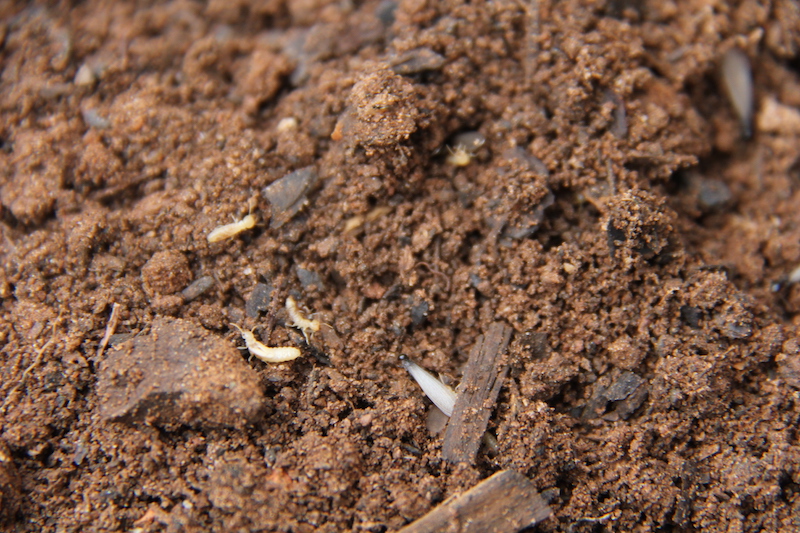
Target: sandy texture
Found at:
x=615, y=218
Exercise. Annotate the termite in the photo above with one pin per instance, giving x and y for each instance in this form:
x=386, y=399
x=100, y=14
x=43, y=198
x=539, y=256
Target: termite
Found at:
x=231, y=230
x=266, y=353
x=465, y=146
x=299, y=321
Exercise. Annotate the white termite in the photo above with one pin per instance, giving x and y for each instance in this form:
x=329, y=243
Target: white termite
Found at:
x=233, y=229
x=440, y=394
x=266, y=353
x=299, y=321
x=464, y=147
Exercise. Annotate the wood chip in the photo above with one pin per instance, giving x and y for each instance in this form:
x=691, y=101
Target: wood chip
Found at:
x=477, y=393
x=503, y=503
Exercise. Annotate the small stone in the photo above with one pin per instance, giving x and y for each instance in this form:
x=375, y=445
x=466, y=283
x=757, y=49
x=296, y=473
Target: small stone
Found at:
x=416, y=61
x=178, y=375
x=166, y=272
x=288, y=194
x=309, y=279
x=197, y=288
x=623, y=387
x=258, y=301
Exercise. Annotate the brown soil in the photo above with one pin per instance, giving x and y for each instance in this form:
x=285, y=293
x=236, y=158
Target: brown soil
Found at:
x=641, y=258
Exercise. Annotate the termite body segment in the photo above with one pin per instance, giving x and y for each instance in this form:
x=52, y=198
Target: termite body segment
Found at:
x=299, y=321
x=266, y=353
x=231, y=230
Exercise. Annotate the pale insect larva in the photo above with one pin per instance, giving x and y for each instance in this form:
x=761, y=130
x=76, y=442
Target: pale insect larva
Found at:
x=231, y=230
x=266, y=353
x=299, y=321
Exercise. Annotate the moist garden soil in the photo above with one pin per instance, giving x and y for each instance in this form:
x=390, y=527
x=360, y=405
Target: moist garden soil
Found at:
x=616, y=218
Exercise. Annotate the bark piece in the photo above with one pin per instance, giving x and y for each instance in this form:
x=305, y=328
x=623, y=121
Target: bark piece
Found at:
x=503, y=503
x=477, y=393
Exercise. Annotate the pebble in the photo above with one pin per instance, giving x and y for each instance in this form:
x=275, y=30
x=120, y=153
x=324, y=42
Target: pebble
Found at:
x=197, y=288
x=288, y=194
x=258, y=301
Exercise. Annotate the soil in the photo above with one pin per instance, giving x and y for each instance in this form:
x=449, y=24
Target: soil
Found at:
x=616, y=218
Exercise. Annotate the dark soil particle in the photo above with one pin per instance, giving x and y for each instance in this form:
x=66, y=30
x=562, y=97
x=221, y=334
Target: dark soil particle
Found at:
x=616, y=219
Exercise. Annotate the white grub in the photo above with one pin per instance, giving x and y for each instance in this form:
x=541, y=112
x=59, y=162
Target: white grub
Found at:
x=299, y=321
x=266, y=353
x=737, y=77
x=231, y=230
x=440, y=394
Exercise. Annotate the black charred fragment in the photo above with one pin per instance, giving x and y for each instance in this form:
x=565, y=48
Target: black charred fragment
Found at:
x=419, y=313
x=309, y=279
x=619, y=128
x=535, y=343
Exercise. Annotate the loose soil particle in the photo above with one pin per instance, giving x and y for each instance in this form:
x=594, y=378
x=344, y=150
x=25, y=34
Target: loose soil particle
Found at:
x=654, y=243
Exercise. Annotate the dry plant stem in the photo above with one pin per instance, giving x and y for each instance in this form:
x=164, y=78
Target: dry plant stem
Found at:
x=111, y=327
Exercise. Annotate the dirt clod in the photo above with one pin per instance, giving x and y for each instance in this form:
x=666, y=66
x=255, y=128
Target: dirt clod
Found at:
x=177, y=375
x=167, y=272
x=607, y=209
x=382, y=111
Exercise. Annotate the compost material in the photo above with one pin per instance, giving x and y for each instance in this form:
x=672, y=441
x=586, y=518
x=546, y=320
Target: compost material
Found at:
x=610, y=209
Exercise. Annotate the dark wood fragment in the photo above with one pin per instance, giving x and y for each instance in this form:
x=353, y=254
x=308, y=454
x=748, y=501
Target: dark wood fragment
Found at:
x=477, y=393
x=503, y=503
